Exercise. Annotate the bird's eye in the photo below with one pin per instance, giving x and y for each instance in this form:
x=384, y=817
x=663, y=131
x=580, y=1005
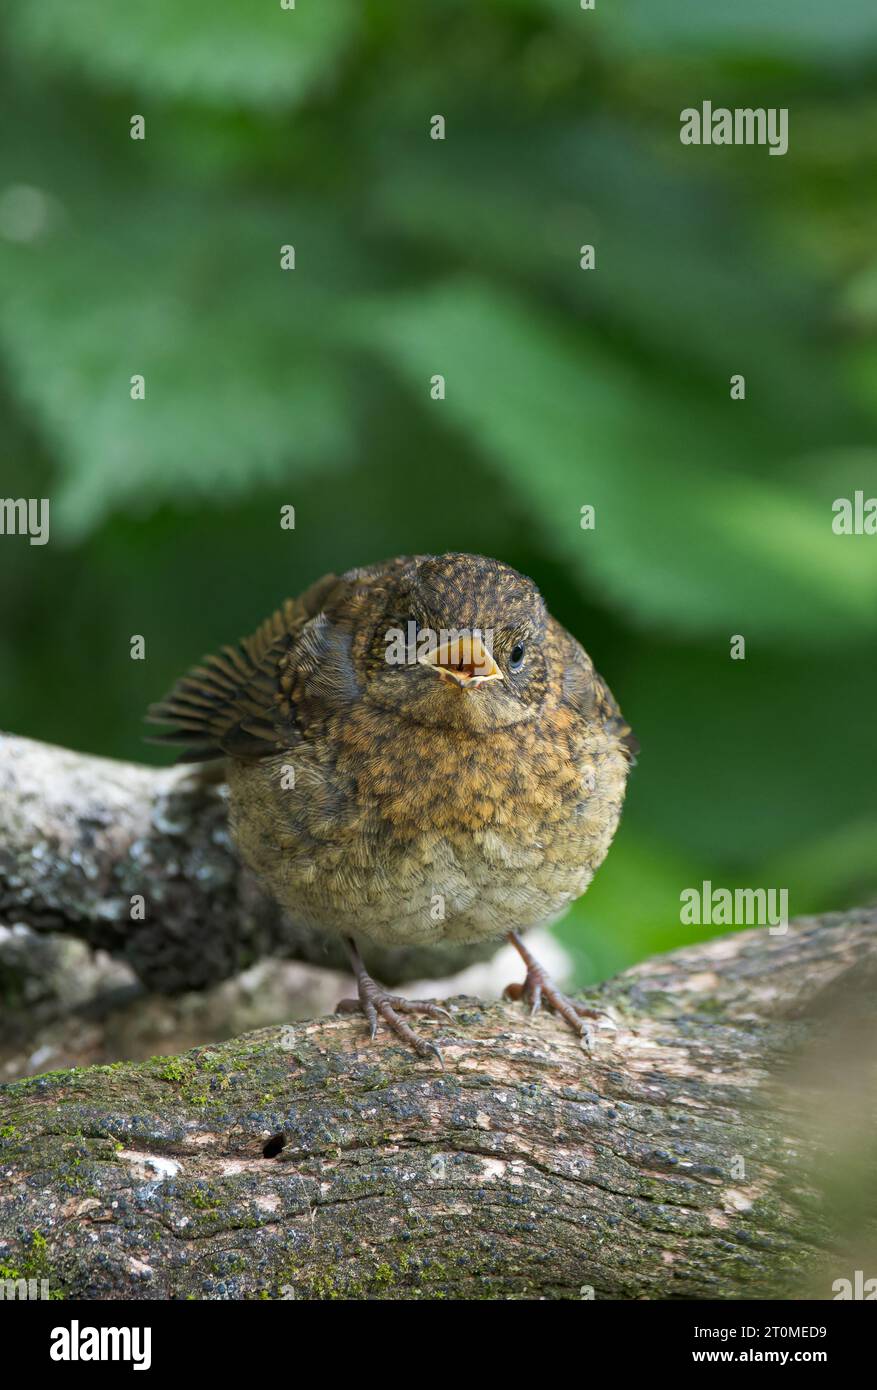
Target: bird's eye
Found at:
x=516, y=657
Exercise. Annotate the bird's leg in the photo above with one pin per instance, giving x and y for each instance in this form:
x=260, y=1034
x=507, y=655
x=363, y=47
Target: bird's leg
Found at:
x=538, y=988
x=375, y=1003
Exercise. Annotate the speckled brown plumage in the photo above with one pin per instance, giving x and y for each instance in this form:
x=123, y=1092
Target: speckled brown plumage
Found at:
x=384, y=803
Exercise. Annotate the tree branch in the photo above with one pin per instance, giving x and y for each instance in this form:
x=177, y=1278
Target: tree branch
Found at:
x=682, y=1159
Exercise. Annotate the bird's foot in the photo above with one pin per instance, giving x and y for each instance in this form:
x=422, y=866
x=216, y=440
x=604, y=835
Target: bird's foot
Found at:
x=376, y=1003
x=538, y=988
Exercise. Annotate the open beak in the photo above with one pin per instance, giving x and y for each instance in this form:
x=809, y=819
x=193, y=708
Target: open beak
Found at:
x=464, y=661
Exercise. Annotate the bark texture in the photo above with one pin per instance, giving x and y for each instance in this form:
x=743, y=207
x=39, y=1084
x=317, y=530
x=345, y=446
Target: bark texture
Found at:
x=711, y=1147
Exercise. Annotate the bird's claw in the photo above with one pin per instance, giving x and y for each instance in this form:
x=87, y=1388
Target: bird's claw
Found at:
x=377, y=1004
x=418, y=1006
x=538, y=988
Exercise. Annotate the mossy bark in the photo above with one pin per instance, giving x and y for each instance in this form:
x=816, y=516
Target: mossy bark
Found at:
x=679, y=1160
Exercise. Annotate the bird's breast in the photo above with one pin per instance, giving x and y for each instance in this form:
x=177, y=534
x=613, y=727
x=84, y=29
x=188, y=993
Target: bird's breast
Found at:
x=407, y=833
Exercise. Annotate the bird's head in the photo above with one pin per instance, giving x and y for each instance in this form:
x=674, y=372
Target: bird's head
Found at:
x=458, y=641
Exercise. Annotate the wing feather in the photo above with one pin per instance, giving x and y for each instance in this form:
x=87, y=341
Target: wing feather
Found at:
x=236, y=702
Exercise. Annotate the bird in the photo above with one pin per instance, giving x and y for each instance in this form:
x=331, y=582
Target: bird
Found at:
x=416, y=752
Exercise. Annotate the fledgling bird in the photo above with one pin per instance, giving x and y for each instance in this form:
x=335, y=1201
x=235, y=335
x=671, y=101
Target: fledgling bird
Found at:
x=417, y=752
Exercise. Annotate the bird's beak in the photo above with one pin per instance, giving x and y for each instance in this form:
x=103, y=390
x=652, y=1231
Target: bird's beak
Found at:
x=463, y=660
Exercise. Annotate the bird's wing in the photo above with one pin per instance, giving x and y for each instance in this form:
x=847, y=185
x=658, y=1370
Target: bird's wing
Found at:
x=238, y=701
x=614, y=720
x=585, y=689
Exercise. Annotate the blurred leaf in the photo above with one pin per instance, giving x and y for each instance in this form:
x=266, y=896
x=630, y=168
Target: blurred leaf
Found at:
x=860, y=297
x=835, y=870
x=569, y=425
x=744, y=759
x=676, y=253
x=805, y=28
x=240, y=387
x=216, y=51
x=808, y=28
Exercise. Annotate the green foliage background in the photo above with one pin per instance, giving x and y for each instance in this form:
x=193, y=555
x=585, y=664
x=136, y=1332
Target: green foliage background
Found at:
x=564, y=387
